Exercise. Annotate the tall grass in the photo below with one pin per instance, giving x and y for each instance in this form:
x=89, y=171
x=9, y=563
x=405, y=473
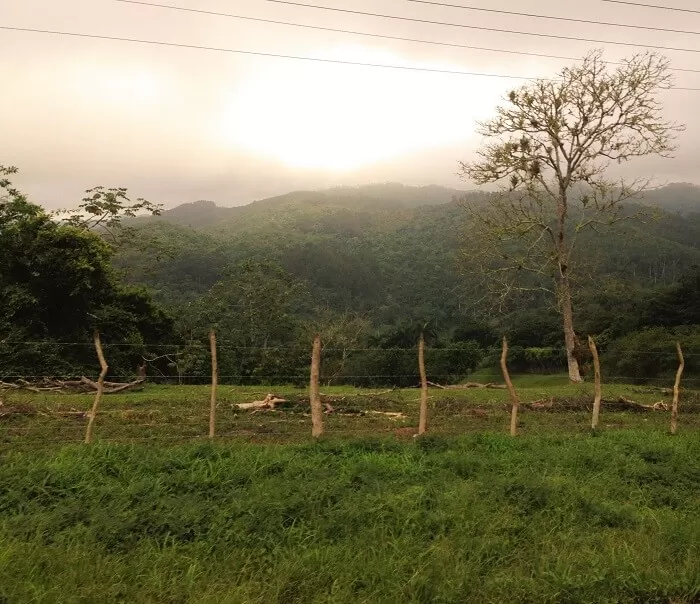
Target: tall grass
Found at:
x=483, y=518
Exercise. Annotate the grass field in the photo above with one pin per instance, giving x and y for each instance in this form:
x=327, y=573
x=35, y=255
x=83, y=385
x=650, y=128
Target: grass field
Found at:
x=368, y=514
x=175, y=414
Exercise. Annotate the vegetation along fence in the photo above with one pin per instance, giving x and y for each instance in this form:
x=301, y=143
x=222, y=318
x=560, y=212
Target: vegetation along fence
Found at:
x=262, y=393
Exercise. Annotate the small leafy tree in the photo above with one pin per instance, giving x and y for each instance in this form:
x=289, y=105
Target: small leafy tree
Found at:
x=104, y=210
x=343, y=334
x=257, y=310
x=57, y=285
x=550, y=149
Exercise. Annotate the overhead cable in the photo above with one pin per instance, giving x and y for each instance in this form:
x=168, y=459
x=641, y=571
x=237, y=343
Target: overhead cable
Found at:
x=482, y=28
x=369, y=34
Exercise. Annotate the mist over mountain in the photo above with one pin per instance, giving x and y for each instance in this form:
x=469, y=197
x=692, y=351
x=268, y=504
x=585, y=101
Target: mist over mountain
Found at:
x=681, y=198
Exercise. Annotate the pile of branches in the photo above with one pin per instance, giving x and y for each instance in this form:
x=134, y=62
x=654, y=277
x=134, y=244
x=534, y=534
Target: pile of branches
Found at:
x=584, y=404
x=79, y=386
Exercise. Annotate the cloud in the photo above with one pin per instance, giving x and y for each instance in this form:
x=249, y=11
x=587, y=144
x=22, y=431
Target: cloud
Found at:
x=176, y=125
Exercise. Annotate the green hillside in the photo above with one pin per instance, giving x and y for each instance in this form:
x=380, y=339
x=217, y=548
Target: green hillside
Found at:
x=385, y=244
x=391, y=258
x=368, y=267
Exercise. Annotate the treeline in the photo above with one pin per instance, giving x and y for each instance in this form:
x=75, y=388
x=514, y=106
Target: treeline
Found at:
x=368, y=273
x=57, y=285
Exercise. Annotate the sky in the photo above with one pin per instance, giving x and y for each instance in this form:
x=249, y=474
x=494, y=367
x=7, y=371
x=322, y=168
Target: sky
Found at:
x=176, y=124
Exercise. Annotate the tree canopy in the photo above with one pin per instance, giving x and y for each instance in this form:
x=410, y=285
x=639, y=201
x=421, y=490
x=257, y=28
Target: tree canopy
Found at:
x=370, y=274
x=57, y=285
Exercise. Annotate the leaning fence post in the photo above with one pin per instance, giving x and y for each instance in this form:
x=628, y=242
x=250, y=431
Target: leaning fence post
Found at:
x=100, y=386
x=423, y=416
x=677, y=389
x=511, y=390
x=598, y=386
x=214, y=383
x=314, y=394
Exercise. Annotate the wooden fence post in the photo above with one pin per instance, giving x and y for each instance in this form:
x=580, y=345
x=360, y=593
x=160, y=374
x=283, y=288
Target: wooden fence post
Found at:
x=314, y=394
x=100, y=386
x=423, y=416
x=214, y=383
x=677, y=389
x=511, y=389
x=598, y=386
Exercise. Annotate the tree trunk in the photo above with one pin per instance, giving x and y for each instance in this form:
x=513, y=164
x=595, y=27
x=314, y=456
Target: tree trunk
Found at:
x=214, y=383
x=314, y=394
x=677, y=389
x=423, y=415
x=564, y=285
x=100, y=387
x=598, y=387
x=511, y=389
x=569, y=333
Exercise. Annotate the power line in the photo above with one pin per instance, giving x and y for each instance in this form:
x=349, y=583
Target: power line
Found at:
x=155, y=379
x=369, y=34
x=222, y=345
x=556, y=18
x=658, y=6
x=273, y=55
x=281, y=56
x=481, y=28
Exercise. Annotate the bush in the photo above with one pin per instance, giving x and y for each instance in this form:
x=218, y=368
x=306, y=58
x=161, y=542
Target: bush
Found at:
x=651, y=353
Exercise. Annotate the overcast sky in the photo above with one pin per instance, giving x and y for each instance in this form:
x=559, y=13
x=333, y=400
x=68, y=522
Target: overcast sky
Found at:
x=176, y=125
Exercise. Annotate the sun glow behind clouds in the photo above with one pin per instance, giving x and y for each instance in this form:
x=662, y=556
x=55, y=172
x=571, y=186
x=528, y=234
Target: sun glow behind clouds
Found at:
x=127, y=86
x=340, y=118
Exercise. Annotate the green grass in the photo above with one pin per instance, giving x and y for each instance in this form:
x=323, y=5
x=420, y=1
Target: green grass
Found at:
x=154, y=513
x=480, y=518
x=174, y=414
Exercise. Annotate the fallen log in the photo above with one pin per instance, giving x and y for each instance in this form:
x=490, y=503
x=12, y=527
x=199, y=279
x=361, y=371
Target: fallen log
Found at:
x=434, y=385
x=389, y=414
x=27, y=386
x=82, y=385
x=269, y=402
x=112, y=387
x=467, y=385
x=490, y=385
x=363, y=394
x=631, y=405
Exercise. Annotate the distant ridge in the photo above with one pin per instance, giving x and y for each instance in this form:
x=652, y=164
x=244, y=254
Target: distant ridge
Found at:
x=681, y=198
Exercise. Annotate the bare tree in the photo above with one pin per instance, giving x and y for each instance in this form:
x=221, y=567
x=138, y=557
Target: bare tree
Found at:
x=550, y=148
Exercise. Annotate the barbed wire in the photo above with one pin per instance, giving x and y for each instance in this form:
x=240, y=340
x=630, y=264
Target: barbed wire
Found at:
x=305, y=376
x=224, y=346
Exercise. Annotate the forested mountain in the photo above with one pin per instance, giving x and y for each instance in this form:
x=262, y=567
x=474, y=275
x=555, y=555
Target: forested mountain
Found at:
x=205, y=214
x=368, y=267
x=386, y=245
x=392, y=257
